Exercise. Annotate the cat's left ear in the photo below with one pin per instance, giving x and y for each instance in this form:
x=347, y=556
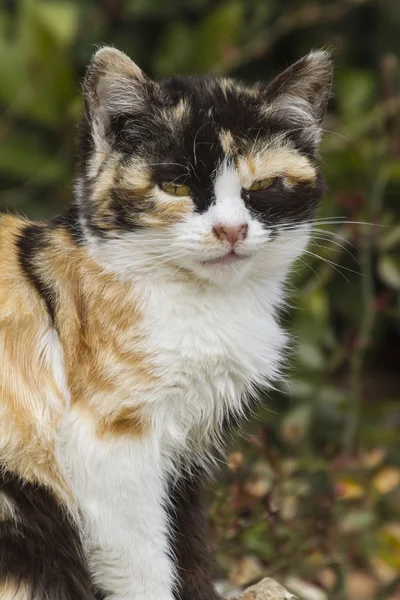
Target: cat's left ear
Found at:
x=114, y=86
x=302, y=91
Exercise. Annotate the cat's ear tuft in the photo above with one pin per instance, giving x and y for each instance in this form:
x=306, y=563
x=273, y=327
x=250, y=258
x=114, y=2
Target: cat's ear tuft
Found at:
x=305, y=85
x=113, y=86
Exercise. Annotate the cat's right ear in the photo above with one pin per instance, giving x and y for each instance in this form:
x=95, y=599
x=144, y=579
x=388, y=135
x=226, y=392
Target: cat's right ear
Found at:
x=114, y=86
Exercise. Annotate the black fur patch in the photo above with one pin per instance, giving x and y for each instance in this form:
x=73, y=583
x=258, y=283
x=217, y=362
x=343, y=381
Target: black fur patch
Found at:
x=41, y=549
x=31, y=240
x=35, y=238
x=69, y=221
x=188, y=538
x=279, y=205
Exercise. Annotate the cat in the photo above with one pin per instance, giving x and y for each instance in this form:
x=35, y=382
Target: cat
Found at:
x=137, y=328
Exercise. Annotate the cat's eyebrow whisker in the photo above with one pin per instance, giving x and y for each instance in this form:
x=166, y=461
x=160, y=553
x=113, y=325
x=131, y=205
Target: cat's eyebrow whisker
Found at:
x=167, y=164
x=195, y=138
x=256, y=139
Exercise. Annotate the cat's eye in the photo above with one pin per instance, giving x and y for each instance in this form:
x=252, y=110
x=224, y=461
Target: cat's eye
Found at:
x=176, y=189
x=263, y=184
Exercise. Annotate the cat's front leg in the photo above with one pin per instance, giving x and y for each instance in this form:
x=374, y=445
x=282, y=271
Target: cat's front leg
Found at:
x=146, y=578
x=120, y=485
x=188, y=538
x=129, y=558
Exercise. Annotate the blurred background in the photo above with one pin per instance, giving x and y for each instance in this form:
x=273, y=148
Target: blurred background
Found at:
x=311, y=495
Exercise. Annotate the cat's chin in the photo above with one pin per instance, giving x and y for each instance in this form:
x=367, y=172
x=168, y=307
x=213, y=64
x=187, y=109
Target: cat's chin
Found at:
x=230, y=258
x=224, y=270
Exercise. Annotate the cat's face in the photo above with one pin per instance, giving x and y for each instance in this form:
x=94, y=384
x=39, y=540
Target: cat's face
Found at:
x=206, y=177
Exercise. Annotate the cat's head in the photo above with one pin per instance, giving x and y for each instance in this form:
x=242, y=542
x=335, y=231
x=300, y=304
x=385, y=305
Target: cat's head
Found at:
x=204, y=176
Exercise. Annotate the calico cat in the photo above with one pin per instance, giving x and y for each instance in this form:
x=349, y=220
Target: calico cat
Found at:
x=136, y=328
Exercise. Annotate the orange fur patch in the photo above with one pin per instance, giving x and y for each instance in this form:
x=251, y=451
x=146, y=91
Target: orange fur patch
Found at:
x=126, y=421
x=281, y=161
x=97, y=323
x=167, y=213
x=227, y=142
x=31, y=404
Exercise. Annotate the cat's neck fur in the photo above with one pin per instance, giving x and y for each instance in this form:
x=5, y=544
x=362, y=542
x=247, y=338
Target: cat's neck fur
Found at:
x=164, y=330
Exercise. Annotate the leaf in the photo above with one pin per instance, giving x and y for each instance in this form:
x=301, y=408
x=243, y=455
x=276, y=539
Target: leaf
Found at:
x=349, y=489
x=258, y=487
x=185, y=49
x=248, y=569
x=390, y=239
x=217, y=33
x=355, y=91
x=387, y=480
x=60, y=19
x=361, y=586
x=235, y=461
x=175, y=51
x=310, y=356
x=389, y=271
x=357, y=521
x=296, y=423
x=371, y=459
x=23, y=158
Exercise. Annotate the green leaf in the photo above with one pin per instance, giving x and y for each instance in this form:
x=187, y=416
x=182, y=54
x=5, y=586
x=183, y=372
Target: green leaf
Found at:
x=296, y=424
x=186, y=49
x=389, y=270
x=357, y=521
x=355, y=91
x=23, y=158
x=390, y=239
x=217, y=34
x=310, y=356
x=60, y=19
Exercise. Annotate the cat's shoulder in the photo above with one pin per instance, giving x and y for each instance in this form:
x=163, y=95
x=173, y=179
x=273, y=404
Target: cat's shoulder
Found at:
x=33, y=392
x=18, y=298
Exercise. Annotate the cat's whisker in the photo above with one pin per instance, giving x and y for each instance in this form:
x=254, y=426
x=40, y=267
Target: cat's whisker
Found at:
x=341, y=246
x=167, y=164
x=332, y=234
x=330, y=248
x=195, y=138
x=337, y=267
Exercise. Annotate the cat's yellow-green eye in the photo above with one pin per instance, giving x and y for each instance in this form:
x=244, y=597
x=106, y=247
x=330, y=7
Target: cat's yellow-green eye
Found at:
x=176, y=189
x=262, y=184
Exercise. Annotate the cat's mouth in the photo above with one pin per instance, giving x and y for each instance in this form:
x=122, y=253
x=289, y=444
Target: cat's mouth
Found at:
x=227, y=259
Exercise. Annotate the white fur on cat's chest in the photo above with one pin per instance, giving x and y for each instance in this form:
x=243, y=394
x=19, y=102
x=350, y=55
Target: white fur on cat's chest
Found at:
x=208, y=349
x=206, y=352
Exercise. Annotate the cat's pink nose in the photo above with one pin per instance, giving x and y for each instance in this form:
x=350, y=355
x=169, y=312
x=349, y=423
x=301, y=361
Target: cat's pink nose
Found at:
x=231, y=234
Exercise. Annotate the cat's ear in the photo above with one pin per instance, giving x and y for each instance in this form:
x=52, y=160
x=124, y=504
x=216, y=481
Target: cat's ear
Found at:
x=304, y=88
x=114, y=86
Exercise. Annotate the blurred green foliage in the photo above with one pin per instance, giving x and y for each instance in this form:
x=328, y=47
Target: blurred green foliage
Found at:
x=313, y=493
